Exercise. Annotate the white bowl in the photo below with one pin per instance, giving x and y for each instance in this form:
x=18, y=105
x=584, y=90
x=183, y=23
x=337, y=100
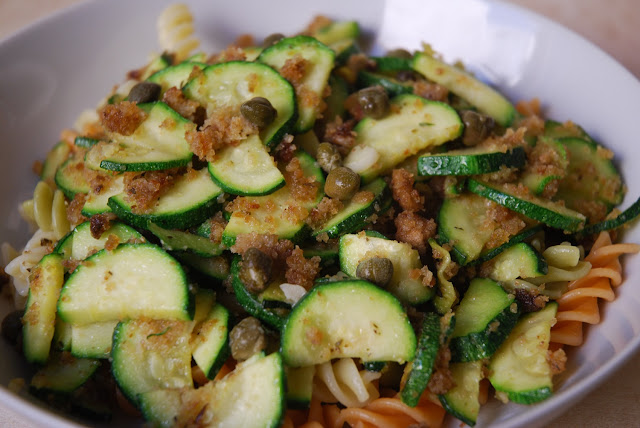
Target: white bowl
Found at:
x=56, y=68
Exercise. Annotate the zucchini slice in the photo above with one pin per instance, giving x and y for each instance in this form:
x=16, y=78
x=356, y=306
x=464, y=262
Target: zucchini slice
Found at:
x=545, y=211
x=485, y=317
x=246, y=169
x=522, y=236
x=232, y=83
x=158, y=143
x=347, y=319
x=64, y=373
x=390, y=84
x=211, y=341
x=462, y=401
x=175, y=75
x=80, y=243
x=132, y=281
x=56, y=157
x=179, y=240
x=518, y=261
x=191, y=200
x=485, y=98
x=355, y=248
x=520, y=368
x=318, y=65
x=252, y=396
x=300, y=386
x=92, y=340
x=39, y=319
x=354, y=215
x=273, y=213
x=470, y=161
x=151, y=354
x=70, y=178
x=537, y=181
x=414, y=124
x=98, y=203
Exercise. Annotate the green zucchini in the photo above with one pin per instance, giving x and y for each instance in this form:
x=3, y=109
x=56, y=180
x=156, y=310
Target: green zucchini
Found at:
x=537, y=181
x=355, y=248
x=414, y=124
x=80, y=243
x=545, y=211
x=320, y=59
x=134, y=280
x=518, y=261
x=178, y=240
x=485, y=317
x=39, y=319
x=157, y=143
x=211, y=344
x=98, y=203
x=70, y=178
x=191, y=200
x=390, y=84
x=85, y=142
x=63, y=373
x=486, y=99
x=299, y=386
x=520, y=368
x=470, y=161
x=462, y=401
x=347, y=319
x=56, y=157
x=92, y=340
x=229, y=84
x=246, y=169
x=175, y=75
x=522, y=236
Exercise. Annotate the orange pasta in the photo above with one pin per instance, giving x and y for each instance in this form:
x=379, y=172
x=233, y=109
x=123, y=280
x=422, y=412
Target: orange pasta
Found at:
x=579, y=304
x=393, y=413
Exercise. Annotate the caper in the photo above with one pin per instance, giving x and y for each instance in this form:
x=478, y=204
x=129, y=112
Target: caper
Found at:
x=258, y=111
x=400, y=53
x=328, y=157
x=477, y=127
x=12, y=326
x=377, y=270
x=255, y=270
x=272, y=39
x=247, y=338
x=374, y=101
x=342, y=183
x=144, y=92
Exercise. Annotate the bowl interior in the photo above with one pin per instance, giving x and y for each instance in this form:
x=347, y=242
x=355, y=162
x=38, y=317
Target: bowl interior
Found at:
x=50, y=72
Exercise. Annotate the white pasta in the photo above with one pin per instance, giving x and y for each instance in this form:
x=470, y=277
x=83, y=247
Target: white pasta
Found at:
x=343, y=383
x=176, y=31
x=47, y=210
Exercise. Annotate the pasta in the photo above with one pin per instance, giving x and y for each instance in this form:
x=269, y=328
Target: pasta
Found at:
x=579, y=304
x=290, y=233
x=176, y=31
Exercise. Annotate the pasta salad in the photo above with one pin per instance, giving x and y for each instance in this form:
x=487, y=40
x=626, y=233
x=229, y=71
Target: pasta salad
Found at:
x=292, y=232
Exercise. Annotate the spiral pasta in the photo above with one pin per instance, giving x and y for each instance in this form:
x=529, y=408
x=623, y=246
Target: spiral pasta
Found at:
x=579, y=304
x=342, y=382
x=176, y=31
x=47, y=210
x=392, y=413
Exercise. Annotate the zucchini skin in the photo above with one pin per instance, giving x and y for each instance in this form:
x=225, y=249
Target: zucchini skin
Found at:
x=470, y=164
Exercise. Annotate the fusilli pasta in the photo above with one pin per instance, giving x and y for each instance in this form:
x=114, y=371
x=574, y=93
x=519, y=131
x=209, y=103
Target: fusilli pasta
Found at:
x=176, y=31
x=342, y=382
x=47, y=210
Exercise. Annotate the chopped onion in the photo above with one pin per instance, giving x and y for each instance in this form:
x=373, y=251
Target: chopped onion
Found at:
x=361, y=158
x=292, y=292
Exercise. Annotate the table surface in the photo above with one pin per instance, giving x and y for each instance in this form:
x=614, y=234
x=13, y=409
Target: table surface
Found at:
x=612, y=25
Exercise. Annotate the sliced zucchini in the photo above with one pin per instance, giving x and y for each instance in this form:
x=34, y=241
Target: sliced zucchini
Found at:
x=158, y=143
x=246, y=169
x=591, y=176
x=70, y=178
x=335, y=100
x=98, y=203
x=63, y=373
x=92, y=340
x=391, y=63
x=271, y=213
x=211, y=341
x=174, y=76
x=522, y=236
x=216, y=267
x=39, y=319
x=550, y=213
x=347, y=319
x=485, y=98
x=310, y=88
x=300, y=386
x=414, y=124
x=520, y=368
x=337, y=31
x=250, y=302
x=85, y=142
x=191, y=200
x=132, y=281
x=390, y=84
x=627, y=215
x=56, y=157
x=252, y=396
x=470, y=161
x=356, y=248
x=151, y=354
x=462, y=224
x=537, y=181
x=462, y=401
x=158, y=63
x=232, y=83
x=485, y=317
x=179, y=240
x=80, y=243
x=422, y=364
x=354, y=215
x=518, y=261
